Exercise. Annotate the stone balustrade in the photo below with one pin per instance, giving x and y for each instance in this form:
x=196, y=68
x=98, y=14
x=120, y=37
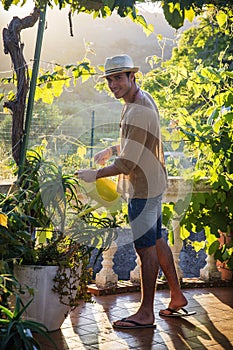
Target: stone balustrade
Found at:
x=5, y=185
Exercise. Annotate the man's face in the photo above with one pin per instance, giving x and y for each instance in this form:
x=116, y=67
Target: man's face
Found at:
x=120, y=84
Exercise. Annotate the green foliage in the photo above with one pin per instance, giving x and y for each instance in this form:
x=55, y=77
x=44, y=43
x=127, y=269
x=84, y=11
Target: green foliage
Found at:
x=104, y=8
x=69, y=281
x=51, y=84
x=174, y=14
x=195, y=97
x=8, y=284
x=40, y=225
x=45, y=200
x=211, y=139
x=15, y=330
x=6, y=162
x=175, y=11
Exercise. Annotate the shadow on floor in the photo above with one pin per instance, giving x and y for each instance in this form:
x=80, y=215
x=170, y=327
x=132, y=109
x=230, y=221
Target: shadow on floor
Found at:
x=89, y=327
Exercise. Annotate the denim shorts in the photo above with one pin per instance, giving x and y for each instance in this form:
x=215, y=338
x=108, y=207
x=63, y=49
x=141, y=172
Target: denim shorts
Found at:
x=145, y=220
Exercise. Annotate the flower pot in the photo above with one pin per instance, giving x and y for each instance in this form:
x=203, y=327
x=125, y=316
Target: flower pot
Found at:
x=46, y=307
x=225, y=238
x=226, y=274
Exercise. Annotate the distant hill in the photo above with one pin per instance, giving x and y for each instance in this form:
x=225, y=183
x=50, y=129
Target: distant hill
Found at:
x=109, y=36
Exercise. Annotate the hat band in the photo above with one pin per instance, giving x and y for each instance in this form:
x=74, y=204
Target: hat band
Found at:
x=117, y=69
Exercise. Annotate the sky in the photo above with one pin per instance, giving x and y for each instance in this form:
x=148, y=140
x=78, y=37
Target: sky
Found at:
x=15, y=11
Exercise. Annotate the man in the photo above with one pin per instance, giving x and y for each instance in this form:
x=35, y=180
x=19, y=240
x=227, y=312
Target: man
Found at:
x=142, y=180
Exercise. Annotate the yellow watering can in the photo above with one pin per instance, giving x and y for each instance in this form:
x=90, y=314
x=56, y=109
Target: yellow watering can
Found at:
x=104, y=192
x=107, y=189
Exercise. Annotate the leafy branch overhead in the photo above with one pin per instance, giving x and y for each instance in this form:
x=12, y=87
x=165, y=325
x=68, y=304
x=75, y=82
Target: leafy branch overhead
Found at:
x=175, y=11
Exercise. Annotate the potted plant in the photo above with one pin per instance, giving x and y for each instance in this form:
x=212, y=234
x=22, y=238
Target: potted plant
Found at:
x=41, y=227
x=15, y=330
x=224, y=259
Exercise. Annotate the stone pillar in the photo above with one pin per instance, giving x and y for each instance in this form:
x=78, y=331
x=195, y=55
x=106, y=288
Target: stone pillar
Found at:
x=107, y=277
x=176, y=248
x=135, y=274
x=210, y=271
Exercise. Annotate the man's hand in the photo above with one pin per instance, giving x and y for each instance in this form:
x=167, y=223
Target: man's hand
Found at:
x=87, y=175
x=103, y=156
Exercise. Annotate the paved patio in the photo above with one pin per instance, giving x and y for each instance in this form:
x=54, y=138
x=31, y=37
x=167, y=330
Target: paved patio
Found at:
x=89, y=326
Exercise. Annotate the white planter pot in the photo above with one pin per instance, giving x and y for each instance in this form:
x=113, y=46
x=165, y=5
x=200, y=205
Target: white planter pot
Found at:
x=45, y=307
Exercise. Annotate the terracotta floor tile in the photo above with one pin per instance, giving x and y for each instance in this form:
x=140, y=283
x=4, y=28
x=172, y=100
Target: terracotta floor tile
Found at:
x=89, y=327
x=112, y=345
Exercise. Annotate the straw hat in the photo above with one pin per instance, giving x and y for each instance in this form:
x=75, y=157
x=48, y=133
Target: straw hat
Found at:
x=119, y=64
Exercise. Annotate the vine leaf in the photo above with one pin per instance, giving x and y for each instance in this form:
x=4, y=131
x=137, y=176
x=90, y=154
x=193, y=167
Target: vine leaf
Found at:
x=174, y=15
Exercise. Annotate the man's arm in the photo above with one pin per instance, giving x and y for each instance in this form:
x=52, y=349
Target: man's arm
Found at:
x=91, y=175
x=103, y=156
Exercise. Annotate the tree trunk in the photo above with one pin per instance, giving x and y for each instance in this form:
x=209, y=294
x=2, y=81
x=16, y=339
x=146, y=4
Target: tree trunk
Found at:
x=13, y=46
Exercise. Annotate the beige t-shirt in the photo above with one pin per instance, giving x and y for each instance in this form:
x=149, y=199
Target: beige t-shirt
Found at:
x=141, y=159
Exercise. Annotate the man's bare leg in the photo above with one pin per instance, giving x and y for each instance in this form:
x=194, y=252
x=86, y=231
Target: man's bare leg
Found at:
x=166, y=262
x=149, y=272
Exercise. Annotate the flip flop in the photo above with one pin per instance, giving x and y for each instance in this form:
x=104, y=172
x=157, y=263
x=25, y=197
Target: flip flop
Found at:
x=176, y=313
x=136, y=325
